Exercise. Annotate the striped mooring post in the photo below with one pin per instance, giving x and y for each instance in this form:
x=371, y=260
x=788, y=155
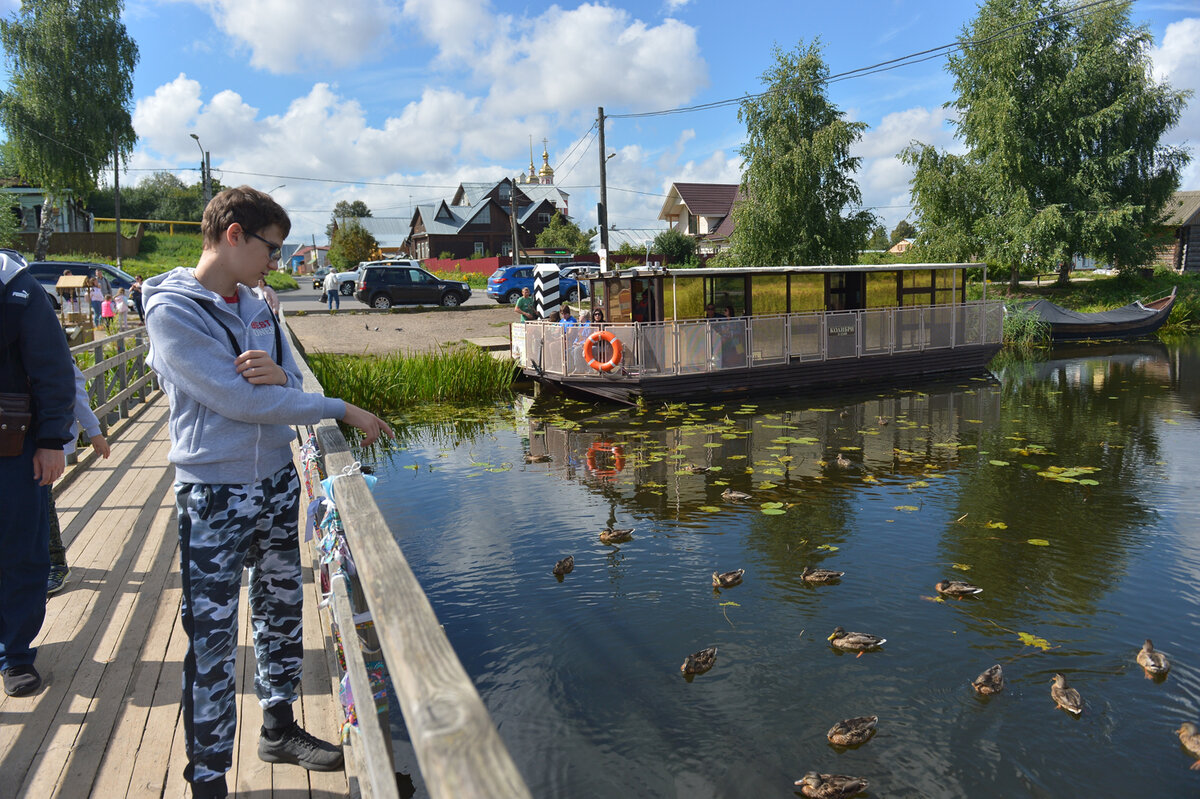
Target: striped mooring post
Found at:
x=545, y=289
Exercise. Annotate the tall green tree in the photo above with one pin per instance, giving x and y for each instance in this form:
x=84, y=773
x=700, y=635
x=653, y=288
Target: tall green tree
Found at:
x=879, y=238
x=903, y=230
x=563, y=234
x=66, y=110
x=675, y=246
x=352, y=243
x=344, y=211
x=1062, y=120
x=798, y=185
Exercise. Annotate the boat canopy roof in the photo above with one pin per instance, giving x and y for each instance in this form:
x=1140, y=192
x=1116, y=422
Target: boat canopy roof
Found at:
x=1053, y=314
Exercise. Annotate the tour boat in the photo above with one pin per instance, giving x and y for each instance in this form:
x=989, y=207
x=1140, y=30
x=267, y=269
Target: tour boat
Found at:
x=671, y=333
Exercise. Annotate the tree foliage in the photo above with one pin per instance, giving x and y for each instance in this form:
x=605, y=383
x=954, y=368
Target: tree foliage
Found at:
x=160, y=195
x=1062, y=122
x=798, y=184
x=879, y=238
x=675, y=246
x=70, y=86
x=352, y=243
x=903, y=230
x=344, y=210
x=563, y=234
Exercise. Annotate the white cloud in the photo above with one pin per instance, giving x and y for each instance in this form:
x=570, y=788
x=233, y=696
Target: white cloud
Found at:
x=291, y=32
x=1175, y=61
x=675, y=5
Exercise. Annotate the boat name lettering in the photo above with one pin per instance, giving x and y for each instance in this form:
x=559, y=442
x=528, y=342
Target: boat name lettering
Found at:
x=842, y=330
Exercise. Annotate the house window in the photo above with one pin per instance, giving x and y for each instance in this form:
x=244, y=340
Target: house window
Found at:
x=505, y=249
x=692, y=229
x=479, y=248
x=543, y=219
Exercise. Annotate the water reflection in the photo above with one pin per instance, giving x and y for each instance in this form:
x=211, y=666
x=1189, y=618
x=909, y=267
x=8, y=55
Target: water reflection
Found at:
x=1065, y=489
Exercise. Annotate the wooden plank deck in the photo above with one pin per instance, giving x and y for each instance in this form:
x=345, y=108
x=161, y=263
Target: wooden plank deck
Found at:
x=107, y=723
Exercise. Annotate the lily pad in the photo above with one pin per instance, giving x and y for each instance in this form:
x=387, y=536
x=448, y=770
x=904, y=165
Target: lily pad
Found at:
x=828, y=547
x=1032, y=640
x=998, y=463
x=962, y=567
x=1038, y=542
x=710, y=509
x=997, y=525
x=908, y=508
x=773, y=511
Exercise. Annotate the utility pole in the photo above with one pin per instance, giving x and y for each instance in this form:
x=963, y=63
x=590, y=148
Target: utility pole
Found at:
x=117, y=195
x=512, y=215
x=602, y=208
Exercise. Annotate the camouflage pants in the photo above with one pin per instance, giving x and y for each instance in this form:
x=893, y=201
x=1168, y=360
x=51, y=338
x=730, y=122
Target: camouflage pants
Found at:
x=223, y=528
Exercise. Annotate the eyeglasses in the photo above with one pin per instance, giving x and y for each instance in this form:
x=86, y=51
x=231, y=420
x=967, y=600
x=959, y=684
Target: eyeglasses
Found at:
x=274, y=252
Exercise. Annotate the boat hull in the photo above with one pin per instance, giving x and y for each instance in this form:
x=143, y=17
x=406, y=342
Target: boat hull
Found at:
x=796, y=377
x=1140, y=319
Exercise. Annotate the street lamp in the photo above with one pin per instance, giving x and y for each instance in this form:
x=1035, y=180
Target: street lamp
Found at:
x=277, y=188
x=205, y=170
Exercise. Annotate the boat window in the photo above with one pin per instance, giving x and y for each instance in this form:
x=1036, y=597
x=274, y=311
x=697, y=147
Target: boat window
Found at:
x=881, y=289
x=916, y=287
x=728, y=291
x=846, y=291
x=949, y=286
x=683, y=298
x=769, y=294
x=807, y=293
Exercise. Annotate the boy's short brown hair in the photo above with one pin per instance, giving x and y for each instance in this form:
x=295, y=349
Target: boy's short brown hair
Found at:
x=252, y=209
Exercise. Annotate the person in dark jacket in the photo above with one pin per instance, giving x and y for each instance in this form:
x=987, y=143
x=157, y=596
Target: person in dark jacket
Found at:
x=34, y=363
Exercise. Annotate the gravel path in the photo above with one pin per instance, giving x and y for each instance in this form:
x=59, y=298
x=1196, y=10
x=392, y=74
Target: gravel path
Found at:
x=376, y=332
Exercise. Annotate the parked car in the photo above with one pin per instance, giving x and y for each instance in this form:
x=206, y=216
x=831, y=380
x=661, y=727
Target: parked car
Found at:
x=348, y=281
x=505, y=284
x=382, y=286
x=319, y=276
x=48, y=272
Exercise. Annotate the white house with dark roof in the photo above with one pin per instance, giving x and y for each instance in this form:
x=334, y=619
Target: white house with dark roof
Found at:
x=702, y=210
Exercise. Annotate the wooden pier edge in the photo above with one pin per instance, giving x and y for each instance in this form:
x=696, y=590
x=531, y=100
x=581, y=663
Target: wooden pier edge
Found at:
x=457, y=746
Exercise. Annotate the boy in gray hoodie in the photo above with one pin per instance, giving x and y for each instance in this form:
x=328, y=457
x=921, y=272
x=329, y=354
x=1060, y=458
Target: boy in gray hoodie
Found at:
x=235, y=391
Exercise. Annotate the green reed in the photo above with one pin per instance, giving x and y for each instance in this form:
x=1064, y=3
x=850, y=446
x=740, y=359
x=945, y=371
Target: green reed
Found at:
x=385, y=384
x=1023, y=330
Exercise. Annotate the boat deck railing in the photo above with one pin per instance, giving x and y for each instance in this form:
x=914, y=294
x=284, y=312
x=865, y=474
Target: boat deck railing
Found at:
x=667, y=349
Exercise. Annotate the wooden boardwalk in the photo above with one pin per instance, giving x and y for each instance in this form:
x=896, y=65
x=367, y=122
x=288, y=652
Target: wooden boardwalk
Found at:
x=107, y=723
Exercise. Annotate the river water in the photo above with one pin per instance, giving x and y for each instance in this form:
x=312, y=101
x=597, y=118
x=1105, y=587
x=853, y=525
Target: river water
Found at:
x=1065, y=489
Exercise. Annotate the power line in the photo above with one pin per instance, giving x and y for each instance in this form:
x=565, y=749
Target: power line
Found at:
x=567, y=157
x=585, y=151
x=882, y=66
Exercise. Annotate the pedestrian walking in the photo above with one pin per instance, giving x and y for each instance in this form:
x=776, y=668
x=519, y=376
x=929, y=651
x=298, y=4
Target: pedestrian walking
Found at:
x=333, y=294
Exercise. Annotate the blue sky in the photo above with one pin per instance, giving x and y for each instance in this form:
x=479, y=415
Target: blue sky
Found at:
x=395, y=102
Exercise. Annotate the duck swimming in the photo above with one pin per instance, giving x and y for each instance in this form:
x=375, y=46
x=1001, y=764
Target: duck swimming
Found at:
x=699, y=662
x=564, y=566
x=1154, y=662
x=728, y=579
x=734, y=496
x=821, y=575
x=613, y=535
x=854, y=642
x=831, y=786
x=1189, y=736
x=990, y=682
x=957, y=588
x=1065, y=696
x=852, y=732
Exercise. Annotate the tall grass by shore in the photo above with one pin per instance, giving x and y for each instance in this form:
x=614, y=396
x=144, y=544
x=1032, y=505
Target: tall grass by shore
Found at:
x=386, y=383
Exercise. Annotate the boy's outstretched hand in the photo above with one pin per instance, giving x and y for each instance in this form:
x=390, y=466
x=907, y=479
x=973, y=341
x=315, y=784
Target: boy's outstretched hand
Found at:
x=370, y=424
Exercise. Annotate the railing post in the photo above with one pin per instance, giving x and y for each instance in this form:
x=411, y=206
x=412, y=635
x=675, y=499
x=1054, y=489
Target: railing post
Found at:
x=122, y=379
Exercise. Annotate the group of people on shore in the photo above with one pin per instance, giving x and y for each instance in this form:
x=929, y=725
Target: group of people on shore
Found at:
x=235, y=392
x=109, y=309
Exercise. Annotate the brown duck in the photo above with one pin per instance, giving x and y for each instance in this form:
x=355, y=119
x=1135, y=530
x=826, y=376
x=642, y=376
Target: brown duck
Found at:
x=854, y=642
x=852, y=732
x=728, y=579
x=1189, y=736
x=564, y=566
x=831, y=786
x=990, y=682
x=611, y=535
x=699, y=662
x=1154, y=662
x=811, y=575
x=1065, y=696
x=957, y=588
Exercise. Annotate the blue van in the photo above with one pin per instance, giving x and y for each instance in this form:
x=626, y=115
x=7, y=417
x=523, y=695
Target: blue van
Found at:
x=505, y=284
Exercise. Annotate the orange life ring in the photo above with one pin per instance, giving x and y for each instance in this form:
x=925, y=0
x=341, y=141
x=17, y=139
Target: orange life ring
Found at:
x=589, y=348
x=618, y=456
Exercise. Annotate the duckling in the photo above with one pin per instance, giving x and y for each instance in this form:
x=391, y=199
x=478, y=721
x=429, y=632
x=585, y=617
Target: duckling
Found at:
x=1155, y=663
x=1189, y=736
x=831, y=786
x=811, y=575
x=538, y=458
x=990, y=682
x=1065, y=696
x=842, y=462
x=734, y=496
x=852, y=732
x=957, y=588
x=564, y=566
x=728, y=579
x=612, y=535
x=854, y=642
x=699, y=662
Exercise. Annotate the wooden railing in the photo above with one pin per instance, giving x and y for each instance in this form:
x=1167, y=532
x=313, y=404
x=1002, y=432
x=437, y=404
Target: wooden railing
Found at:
x=120, y=378
x=458, y=749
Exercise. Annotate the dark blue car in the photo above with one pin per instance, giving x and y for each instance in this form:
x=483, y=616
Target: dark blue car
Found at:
x=505, y=284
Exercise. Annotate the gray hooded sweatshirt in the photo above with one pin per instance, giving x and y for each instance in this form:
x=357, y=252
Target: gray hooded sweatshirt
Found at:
x=224, y=429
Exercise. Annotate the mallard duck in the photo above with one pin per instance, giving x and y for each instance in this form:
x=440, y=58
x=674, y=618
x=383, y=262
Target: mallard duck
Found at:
x=612, y=535
x=1189, y=736
x=1155, y=663
x=854, y=642
x=564, y=566
x=831, y=786
x=883, y=420
x=537, y=458
x=842, y=462
x=691, y=469
x=852, y=732
x=990, y=682
x=1065, y=696
x=728, y=579
x=957, y=588
x=811, y=575
x=734, y=496
x=700, y=662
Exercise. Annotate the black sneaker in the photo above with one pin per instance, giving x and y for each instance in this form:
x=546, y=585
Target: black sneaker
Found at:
x=58, y=576
x=24, y=680
x=296, y=746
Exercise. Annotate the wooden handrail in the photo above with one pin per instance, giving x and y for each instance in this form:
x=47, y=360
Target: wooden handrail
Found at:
x=458, y=749
x=113, y=374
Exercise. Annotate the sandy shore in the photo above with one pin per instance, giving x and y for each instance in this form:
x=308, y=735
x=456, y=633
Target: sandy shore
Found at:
x=375, y=332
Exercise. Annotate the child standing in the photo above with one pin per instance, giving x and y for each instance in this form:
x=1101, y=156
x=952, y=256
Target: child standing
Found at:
x=107, y=313
x=235, y=391
x=121, y=305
